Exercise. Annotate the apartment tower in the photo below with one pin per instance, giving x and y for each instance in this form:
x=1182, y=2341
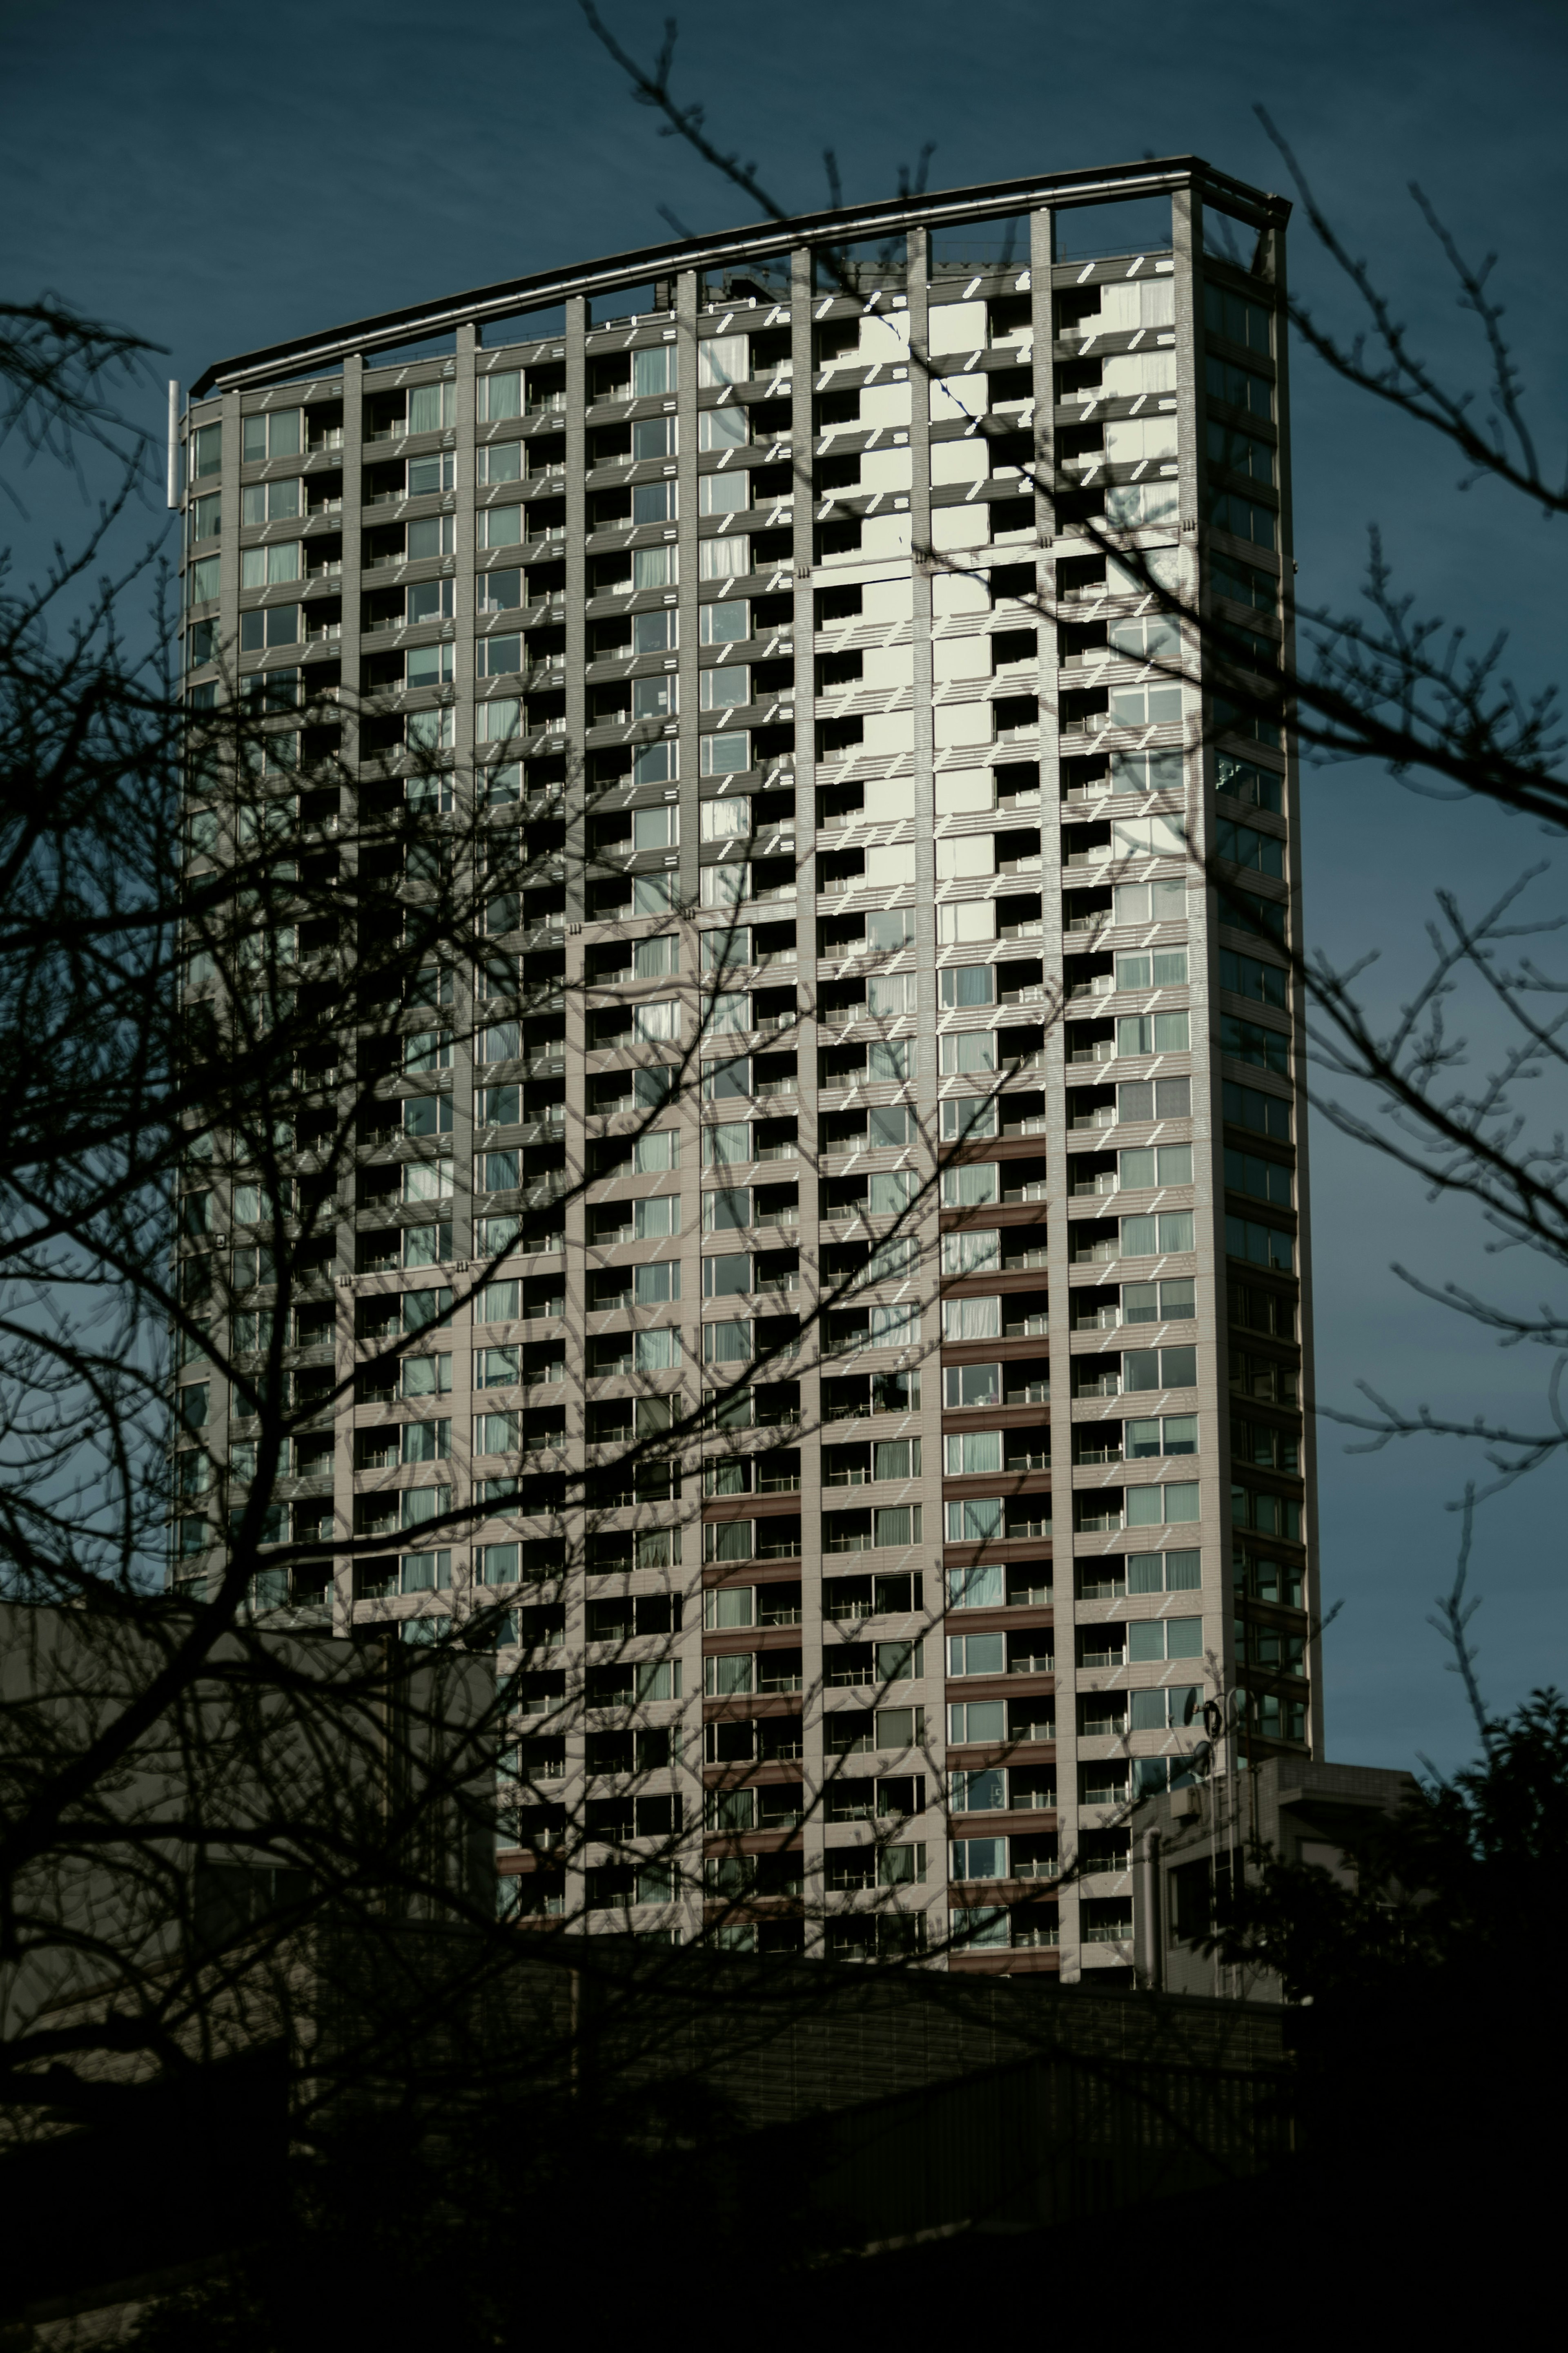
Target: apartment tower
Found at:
x=791, y=590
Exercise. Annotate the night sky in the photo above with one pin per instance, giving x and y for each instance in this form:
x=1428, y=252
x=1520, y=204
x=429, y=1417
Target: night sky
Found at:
x=220, y=176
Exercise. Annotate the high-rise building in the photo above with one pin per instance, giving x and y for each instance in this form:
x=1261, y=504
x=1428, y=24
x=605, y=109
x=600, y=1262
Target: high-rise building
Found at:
x=807, y=580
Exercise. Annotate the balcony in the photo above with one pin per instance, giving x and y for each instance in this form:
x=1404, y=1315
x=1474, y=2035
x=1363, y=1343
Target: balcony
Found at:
x=1101, y=1050
x=1084, y=1186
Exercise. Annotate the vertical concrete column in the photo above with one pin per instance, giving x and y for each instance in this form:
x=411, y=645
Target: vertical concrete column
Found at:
x=802, y=447
x=928, y=1081
x=686, y=561
x=348, y=860
x=575, y=808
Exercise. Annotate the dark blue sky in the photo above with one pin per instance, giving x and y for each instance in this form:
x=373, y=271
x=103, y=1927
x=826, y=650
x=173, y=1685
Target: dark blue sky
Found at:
x=222, y=176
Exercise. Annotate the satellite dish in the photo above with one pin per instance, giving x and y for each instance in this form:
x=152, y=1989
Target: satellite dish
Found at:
x=1214, y=1718
x=1201, y=1758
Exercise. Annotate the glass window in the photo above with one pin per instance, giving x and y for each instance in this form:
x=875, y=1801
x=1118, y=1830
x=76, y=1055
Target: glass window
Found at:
x=727, y=754
x=723, y=359
x=429, y=475
x=206, y=451
x=724, y=557
x=726, y=690
x=498, y=394
x=498, y=461
x=435, y=535
x=729, y=494
x=653, y=502
x=497, y=527
x=1238, y=319
x=274, y=435
x=653, y=436
x=723, y=428
x=968, y=983
x=725, y=624
x=431, y=407
x=269, y=502
x=653, y=567
x=654, y=633
x=652, y=371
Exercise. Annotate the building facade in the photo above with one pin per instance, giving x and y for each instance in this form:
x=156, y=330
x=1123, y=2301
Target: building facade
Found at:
x=797, y=592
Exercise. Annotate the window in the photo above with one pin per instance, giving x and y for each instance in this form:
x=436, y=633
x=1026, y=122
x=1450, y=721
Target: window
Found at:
x=497, y=592
x=967, y=984
x=653, y=567
x=431, y=535
x=657, y=1151
x=1240, y=388
x=969, y=1453
x=1175, y=1434
x=1146, y=772
x=1146, y=1237
x=265, y=502
x=721, y=428
x=976, y=1252
x=274, y=435
x=1151, y=1033
x=1243, y=518
x=1241, y=582
x=428, y=665
x=1273, y=1515
x=432, y=407
x=1262, y=1245
x=277, y=625
x=1151, y=1507
x=1152, y=902
x=891, y=1191
x=1165, y=1163
x=428, y=476
x=206, y=451
x=726, y=754
x=270, y=567
x=1157, y=1303
x=496, y=656
x=1166, y=968
x=725, y=689
x=724, y=624
x=498, y=461
x=1262, y=853
x=498, y=526
x=977, y=1182
x=1159, y=1368
x=497, y=396
x=1145, y=706
x=1238, y=319
x=494, y=721
x=979, y=1859
x=891, y=1061
x=201, y=581
x=1164, y=1572
x=968, y=1050
x=726, y=493
x=1265, y=1114
x=723, y=359
x=1249, y=1041
x=971, y=1319
x=1243, y=780
x=653, y=502
x=652, y=371
x=978, y=1654
x=1265, y=1180
x=1245, y=977
x=1238, y=452
x=419, y=1505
